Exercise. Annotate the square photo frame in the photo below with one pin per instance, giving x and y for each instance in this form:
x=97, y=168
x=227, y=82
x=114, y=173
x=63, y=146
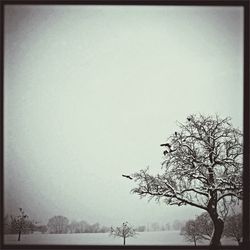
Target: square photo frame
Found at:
x=125, y=124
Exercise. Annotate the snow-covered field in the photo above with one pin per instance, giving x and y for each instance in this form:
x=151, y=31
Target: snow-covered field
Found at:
x=145, y=238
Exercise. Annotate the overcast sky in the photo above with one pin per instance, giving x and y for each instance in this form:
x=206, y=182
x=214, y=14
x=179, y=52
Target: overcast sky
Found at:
x=92, y=91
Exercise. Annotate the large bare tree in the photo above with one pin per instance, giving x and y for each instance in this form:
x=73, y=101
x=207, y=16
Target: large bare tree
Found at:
x=202, y=168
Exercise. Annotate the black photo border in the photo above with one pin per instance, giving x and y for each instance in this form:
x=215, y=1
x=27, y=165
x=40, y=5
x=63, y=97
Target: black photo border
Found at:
x=246, y=110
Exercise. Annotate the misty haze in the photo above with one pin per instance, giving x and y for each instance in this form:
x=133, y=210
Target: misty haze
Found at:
x=123, y=125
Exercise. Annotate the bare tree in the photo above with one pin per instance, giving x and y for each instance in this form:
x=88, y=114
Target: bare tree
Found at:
x=58, y=224
x=125, y=231
x=191, y=232
x=73, y=226
x=205, y=226
x=233, y=227
x=95, y=228
x=84, y=227
x=19, y=223
x=202, y=168
x=199, y=229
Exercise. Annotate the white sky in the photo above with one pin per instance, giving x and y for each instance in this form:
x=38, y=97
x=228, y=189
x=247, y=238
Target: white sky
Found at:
x=92, y=91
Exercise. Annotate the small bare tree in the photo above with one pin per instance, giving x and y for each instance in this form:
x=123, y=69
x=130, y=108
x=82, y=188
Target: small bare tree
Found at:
x=199, y=229
x=205, y=226
x=191, y=232
x=233, y=227
x=19, y=223
x=202, y=168
x=125, y=231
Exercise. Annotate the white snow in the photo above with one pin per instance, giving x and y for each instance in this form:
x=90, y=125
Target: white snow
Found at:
x=144, y=238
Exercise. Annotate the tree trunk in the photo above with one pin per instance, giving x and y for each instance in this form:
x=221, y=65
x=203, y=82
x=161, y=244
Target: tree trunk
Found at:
x=124, y=241
x=238, y=240
x=19, y=236
x=217, y=233
x=218, y=223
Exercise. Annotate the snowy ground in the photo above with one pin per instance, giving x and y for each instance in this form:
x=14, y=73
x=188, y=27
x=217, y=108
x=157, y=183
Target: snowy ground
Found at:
x=145, y=238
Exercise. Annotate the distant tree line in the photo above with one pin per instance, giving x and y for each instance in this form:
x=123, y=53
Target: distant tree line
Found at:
x=60, y=224
x=22, y=224
x=176, y=225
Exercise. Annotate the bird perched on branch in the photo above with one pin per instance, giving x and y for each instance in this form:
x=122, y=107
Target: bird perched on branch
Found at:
x=165, y=145
x=170, y=150
x=127, y=176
